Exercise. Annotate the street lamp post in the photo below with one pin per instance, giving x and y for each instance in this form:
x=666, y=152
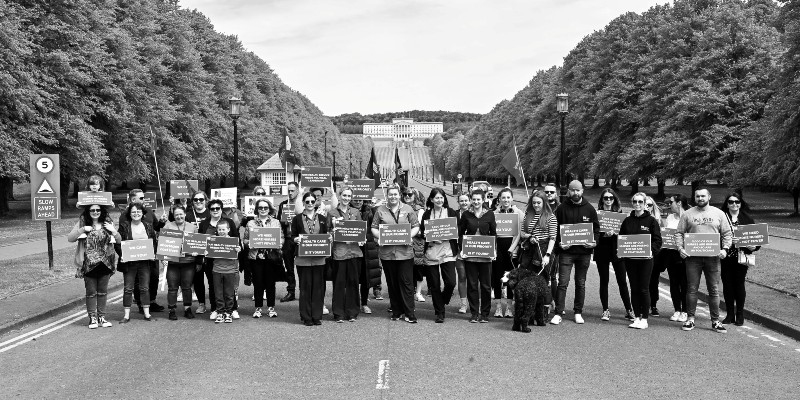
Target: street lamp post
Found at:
x=235, y=112
x=325, y=148
x=334, y=165
x=562, y=105
x=469, y=162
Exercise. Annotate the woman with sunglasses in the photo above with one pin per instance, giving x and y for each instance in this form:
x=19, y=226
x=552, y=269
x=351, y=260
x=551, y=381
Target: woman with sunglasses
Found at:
x=180, y=274
x=209, y=227
x=640, y=222
x=733, y=273
x=266, y=265
x=198, y=211
x=539, y=231
x=347, y=261
x=440, y=256
x=478, y=221
x=658, y=267
x=95, y=259
x=606, y=253
x=397, y=260
x=244, y=261
x=463, y=206
x=414, y=199
x=676, y=268
x=134, y=228
x=506, y=251
x=310, y=269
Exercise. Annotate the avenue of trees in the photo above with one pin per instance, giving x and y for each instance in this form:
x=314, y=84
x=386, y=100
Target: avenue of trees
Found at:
x=701, y=89
x=88, y=79
x=352, y=123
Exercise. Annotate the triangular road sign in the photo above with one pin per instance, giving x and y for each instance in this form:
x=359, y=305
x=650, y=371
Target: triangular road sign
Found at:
x=45, y=187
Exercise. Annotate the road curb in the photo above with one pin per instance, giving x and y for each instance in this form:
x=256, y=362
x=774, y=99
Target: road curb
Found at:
x=52, y=312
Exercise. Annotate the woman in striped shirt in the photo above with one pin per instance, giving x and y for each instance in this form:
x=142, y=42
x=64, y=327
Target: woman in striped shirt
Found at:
x=538, y=236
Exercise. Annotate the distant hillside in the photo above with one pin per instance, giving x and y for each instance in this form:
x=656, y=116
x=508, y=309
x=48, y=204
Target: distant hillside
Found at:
x=351, y=123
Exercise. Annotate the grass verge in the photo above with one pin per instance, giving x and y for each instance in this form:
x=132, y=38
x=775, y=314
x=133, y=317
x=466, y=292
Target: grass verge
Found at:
x=776, y=269
x=25, y=273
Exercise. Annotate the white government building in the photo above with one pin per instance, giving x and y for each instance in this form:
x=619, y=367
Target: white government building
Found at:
x=401, y=130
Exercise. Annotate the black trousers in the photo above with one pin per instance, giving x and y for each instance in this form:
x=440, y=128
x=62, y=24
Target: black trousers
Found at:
x=448, y=275
x=499, y=268
x=200, y=287
x=733, y=281
x=605, y=275
x=639, y=272
x=264, y=274
x=400, y=279
x=363, y=281
x=288, y=261
x=346, y=301
x=479, y=286
x=154, y=266
x=676, y=270
x=311, y=281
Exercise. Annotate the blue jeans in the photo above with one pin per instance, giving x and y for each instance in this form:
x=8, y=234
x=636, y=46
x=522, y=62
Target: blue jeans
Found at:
x=179, y=276
x=96, y=294
x=136, y=271
x=225, y=290
x=581, y=264
x=695, y=266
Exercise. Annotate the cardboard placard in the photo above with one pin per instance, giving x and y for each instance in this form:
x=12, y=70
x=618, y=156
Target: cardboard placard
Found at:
x=668, y=239
x=227, y=195
x=222, y=247
x=137, y=250
x=170, y=245
x=701, y=244
x=394, y=235
x=577, y=234
x=314, y=246
x=441, y=229
x=195, y=243
x=276, y=190
x=265, y=238
x=312, y=177
x=610, y=221
x=350, y=231
x=101, y=198
x=478, y=246
x=183, y=188
x=249, y=204
x=751, y=235
x=634, y=246
x=287, y=213
x=150, y=200
x=363, y=189
x=507, y=224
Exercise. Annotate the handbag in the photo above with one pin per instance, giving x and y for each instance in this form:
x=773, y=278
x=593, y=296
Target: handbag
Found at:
x=746, y=259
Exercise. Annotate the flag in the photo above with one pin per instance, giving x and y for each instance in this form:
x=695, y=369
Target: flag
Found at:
x=286, y=153
x=511, y=163
x=373, y=169
x=397, y=163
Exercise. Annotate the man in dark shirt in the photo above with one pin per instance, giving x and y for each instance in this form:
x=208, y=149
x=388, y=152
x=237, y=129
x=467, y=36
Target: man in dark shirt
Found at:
x=288, y=243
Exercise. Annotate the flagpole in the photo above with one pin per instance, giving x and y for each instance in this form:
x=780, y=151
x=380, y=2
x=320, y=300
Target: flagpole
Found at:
x=519, y=163
x=158, y=175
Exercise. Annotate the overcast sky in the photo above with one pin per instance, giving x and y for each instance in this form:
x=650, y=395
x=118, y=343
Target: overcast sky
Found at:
x=373, y=56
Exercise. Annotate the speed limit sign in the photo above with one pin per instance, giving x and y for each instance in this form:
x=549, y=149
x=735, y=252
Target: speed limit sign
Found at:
x=45, y=164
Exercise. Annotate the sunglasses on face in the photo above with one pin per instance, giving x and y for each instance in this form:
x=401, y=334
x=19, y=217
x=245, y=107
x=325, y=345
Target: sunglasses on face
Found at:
x=637, y=201
x=198, y=200
x=549, y=192
x=263, y=208
x=140, y=198
x=408, y=194
x=310, y=201
x=261, y=193
x=608, y=198
x=669, y=203
x=135, y=212
x=734, y=202
x=215, y=208
x=649, y=204
x=94, y=210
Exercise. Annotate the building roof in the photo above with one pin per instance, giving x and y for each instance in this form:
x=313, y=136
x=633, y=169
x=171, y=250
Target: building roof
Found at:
x=273, y=164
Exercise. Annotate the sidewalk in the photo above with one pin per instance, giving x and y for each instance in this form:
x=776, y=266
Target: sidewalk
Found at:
x=24, y=249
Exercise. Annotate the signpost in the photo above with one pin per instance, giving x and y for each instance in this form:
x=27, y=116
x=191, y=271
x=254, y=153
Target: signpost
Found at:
x=183, y=188
x=751, y=235
x=668, y=238
x=363, y=189
x=394, y=235
x=316, y=177
x=45, y=194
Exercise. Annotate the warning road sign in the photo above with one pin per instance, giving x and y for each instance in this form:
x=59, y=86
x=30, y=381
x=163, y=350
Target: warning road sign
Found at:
x=45, y=188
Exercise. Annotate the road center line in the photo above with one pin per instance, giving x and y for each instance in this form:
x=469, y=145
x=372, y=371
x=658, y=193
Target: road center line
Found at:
x=383, y=379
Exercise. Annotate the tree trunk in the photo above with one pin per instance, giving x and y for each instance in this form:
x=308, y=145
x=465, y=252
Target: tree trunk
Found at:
x=645, y=182
x=76, y=189
x=695, y=185
x=796, y=196
x=208, y=186
x=123, y=185
x=9, y=189
x=634, y=183
x=614, y=183
x=662, y=183
x=596, y=184
x=5, y=182
x=65, y=180
x=679, y=181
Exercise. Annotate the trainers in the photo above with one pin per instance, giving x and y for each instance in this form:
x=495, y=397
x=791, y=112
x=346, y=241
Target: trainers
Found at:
x=289, y=297
x=635, y=324
x=578, y=319
x=187, y=313
x=629, y=315
x=155, y=307
x=462, y=309
x=325, y=310
x=683, y=317
x=377, y=294
x=366, y=310
x=411, y=320
x=718, y=327
x=271, y=312
x=172, y=315
x=654, y=312
x=556, y=320
x=218, y=318
x=473, y=319
x=483, y=319
x=201, y=309
x=642, y=324
x=676, y=316
x=228, y=318
x=93, y=323
x=214, y=315
x=688, y=325
x=103, y=322
x=498, y=313
x=606, y=315
x=419, y=297
x=257, y=314
x=235, y=314
x=509, y=313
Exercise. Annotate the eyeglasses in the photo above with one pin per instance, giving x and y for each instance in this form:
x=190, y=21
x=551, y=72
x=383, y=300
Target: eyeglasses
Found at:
x=198, y=200
x=94, y=210
x=637, y=201
x=408, y=194
x=261, y=193
x=310, y=201
x=140, y=198
x=608, y=197
x=550, y=192
x=215, y=208
x=669, y=203
x=135, y=212
x=734, y=202
x=649, y=204
x=263, y=208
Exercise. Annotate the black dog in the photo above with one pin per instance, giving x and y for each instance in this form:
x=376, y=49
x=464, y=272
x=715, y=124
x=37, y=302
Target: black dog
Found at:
x=530, y=290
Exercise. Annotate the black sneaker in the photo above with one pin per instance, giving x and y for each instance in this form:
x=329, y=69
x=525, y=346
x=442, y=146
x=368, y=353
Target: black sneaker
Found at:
x=484, y=319
x=629, y=315
x=155, y=307
x=411, y=319
x=718, y=327
x=654, y=312
x=172, y=315
x=289, y=297
x=188, y=314
x=473, y=319
x=688, y=325
x=396, y=317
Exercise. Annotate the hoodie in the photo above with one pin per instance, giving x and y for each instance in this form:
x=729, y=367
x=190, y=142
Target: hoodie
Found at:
x=643, y=224
x=571, y=213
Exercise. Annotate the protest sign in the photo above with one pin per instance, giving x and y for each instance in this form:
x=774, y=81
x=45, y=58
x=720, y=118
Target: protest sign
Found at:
x=441, y=229
x=610, y=221
x=316, y=177
x=194, y=243
x=751, y=235
x=183, y=188
x=701, y=244
x=394, y=235
x=222, y=247
x=249, y=204
x=634, y=246
x=265, y=238
x=287, y=213
x=227, y=195
x=363, y=189
x=170, y=243
x=350, y=231
x=668, y=239
x=478, y=246
x=137, y=250
x=101, y=198
x=276, y=190
x=314, y=246
x=507, y=224
x=150, y=200
x=577, y=234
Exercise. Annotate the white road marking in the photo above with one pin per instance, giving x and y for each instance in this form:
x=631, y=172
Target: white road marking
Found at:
x=770, y=337
x=797, y=350
x=746, y=327
x=383, y=379
x=751, y=336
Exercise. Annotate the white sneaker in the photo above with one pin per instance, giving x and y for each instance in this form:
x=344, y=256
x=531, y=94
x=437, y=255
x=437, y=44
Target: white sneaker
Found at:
x=463, y=309
x=498, y=313
x=676, y=316
x=271, y=312
x=642, y=324
x=419, y=297
x=93, y=323
x=235, y=314
x=214, y=315
x=556, y=320
x=257, y=314
x=606, y=315
x=103, y=322
x=366, y=310
x=684, y=317
x=509, y=313
x=578, y=319
x=325, y=310
x=635, y=323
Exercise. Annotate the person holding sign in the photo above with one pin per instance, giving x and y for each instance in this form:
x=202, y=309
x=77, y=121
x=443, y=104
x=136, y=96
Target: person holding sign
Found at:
x=225, y=274
x=347, y=258
x=180, y=274
x=506, y=251
x=209, y=227
x=95, y=259
x=671, y=258
x=733, y=272
x=198, y=212
x=651, y=207
x=704, y=218
x=266, y=265
x=440, y=256
x=538, y=239
x=574, y=210
x=310, y=269
x=134, y=228
x=461, y=272
x=641, y=222
x=289, y=246
x=606, y=253
x=397, y=260
x=478, y=221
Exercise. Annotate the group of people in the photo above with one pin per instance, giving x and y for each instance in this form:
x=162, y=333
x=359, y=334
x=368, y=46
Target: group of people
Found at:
x=355, y=267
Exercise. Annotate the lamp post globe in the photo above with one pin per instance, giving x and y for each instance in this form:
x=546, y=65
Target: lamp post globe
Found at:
x=562, y=106
x=235, y=104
